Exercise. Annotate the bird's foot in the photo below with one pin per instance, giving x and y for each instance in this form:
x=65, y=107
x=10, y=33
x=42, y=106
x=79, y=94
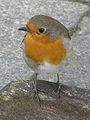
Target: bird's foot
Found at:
x=59, y=90
x=36, y=90
x=36, y=95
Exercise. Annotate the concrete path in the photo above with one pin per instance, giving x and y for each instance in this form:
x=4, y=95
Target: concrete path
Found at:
x=15, y=13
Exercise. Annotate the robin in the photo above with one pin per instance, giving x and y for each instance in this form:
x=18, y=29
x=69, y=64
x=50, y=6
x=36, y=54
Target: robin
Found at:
x=44, y=46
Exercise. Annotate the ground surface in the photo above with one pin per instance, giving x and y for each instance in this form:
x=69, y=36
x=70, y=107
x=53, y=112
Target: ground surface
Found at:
x=17, y=102
x=14, y=14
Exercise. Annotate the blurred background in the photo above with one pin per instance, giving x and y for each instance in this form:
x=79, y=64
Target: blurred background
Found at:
x=72, y=13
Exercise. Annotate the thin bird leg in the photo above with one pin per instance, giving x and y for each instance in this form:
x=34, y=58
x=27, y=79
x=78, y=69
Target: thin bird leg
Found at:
x=36, y=94
x=59, y=86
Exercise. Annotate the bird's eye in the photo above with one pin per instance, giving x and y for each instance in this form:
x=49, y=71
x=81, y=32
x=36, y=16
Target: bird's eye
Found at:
x=41, y=30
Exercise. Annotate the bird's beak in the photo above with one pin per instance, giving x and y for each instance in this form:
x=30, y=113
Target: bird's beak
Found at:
x=24, y=29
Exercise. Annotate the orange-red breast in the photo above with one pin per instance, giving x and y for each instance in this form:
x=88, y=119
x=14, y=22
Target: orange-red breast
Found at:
x=44, y=45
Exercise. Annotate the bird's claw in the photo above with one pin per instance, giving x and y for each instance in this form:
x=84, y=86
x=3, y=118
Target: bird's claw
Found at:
x=36, y=95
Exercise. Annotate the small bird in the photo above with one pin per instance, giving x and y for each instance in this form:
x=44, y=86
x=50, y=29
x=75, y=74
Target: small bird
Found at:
x=45, y=50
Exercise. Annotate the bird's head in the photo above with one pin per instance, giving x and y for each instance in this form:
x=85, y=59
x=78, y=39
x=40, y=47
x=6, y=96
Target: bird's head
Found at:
x=45, y=29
